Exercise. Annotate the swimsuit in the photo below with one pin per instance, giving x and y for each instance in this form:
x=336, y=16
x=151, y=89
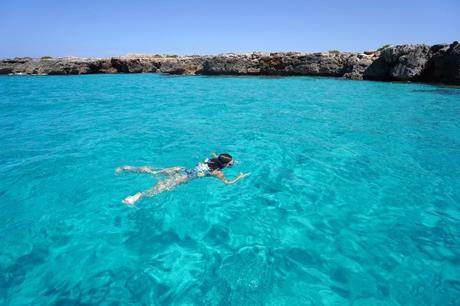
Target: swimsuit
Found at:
x=201, y=170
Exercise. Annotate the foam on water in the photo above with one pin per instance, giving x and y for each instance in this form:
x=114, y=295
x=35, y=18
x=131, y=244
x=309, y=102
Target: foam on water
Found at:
x=353, y=198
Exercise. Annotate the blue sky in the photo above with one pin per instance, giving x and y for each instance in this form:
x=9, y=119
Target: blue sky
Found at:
x=106, y=28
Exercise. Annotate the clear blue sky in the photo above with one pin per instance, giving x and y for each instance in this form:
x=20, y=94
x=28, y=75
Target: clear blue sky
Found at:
x=106, y=28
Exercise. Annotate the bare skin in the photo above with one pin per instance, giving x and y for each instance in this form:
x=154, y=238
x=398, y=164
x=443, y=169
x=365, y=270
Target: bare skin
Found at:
x=220, y=175
x=161, y=186
x=148, y=170
x=174, y=179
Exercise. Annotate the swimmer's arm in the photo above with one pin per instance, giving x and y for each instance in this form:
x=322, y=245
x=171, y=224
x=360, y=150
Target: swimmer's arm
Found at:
x=221, y=176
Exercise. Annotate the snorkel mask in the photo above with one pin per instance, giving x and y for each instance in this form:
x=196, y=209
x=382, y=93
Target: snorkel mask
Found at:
x=231, y=163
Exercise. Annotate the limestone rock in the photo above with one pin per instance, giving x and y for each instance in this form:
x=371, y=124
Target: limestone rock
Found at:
x=185, y=65
x=438, y=63
x=400, y=63
x=229, y=64
x=444, y=65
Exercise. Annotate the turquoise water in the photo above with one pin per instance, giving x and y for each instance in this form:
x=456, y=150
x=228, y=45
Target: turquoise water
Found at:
x=353, y=198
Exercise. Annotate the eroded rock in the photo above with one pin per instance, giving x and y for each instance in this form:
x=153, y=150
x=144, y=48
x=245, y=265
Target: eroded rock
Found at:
x=437, y=63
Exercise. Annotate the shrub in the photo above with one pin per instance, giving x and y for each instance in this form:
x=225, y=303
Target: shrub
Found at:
x=334, y=51
x=45, y=57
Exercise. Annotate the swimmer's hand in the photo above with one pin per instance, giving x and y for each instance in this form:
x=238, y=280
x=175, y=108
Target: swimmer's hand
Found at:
x=236, y=179
x=220, y=176
x=243, y=175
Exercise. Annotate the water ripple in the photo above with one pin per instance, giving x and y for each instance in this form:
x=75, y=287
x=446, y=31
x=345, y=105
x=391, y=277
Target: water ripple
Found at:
x=353, y=197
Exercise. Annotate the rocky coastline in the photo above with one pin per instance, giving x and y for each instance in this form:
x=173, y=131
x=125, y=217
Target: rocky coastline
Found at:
x=417, y=63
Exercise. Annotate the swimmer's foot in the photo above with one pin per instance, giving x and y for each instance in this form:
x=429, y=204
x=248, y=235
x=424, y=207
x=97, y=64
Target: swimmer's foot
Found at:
x=122, y=169
x=132, y=199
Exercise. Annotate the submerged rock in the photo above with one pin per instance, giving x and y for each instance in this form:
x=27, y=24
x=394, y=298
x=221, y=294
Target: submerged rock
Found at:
x=423, y=63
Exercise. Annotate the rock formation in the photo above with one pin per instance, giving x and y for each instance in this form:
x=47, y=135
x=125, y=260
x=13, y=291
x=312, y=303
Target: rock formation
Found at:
x=420, y=63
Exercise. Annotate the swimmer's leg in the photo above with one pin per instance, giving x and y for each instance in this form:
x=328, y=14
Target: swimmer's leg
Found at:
x=143, y=169
x=170, y=171
x=149, y=170
x=160, y=187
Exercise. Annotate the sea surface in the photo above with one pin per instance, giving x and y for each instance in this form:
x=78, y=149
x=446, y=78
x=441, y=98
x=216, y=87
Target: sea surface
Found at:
x=353, y=198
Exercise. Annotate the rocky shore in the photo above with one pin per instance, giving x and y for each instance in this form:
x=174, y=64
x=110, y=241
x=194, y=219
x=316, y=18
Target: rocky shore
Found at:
x=419, y=63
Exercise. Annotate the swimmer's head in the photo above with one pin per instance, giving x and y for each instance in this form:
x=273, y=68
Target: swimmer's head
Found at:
x=226, y=160
x=220, y=162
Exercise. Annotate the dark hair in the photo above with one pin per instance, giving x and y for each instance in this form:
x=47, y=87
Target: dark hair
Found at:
x=219, y=162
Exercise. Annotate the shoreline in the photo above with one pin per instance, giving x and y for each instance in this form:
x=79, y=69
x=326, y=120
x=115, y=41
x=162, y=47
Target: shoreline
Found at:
x=441, y=85
x=436, y=64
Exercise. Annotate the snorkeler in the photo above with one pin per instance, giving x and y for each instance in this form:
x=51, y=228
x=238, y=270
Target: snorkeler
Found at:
x=181, y=175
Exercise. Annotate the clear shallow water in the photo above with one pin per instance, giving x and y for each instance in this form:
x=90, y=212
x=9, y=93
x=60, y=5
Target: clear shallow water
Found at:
x=353, y=199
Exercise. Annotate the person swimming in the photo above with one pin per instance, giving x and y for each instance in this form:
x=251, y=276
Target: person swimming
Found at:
x=180, y=175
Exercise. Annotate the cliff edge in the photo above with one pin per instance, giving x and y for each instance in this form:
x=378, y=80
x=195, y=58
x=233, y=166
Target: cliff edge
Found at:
x=420, y=63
